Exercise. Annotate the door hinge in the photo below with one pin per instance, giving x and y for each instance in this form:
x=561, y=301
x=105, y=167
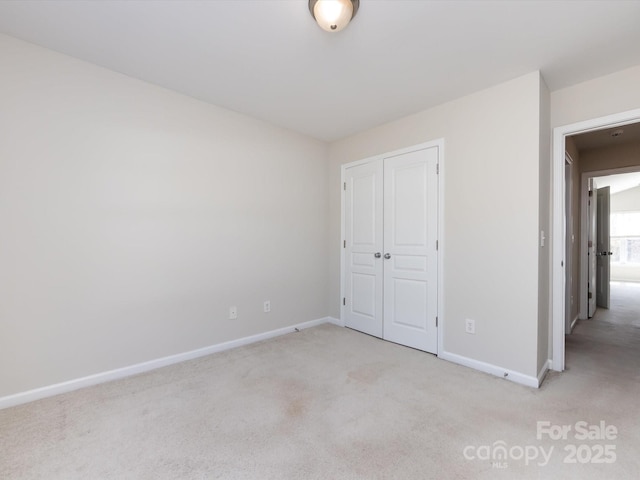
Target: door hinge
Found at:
x=345, y=185
x=436, y=321
x=437, y=245
x=437, y=169
x=344, y=300
x=344, y=244
x=590, y=295
x=591, y=193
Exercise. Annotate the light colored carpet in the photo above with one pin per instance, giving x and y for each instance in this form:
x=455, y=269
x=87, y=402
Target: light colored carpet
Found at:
x=329, y=403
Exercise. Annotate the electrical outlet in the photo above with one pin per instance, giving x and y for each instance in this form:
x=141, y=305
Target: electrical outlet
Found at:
x=267, y=306
x=233, y=313
x=470, y=326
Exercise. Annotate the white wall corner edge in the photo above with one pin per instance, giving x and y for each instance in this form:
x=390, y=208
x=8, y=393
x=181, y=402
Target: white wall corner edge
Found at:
x=543, y=371
x=116, y=374
x=573, y=323
x=505, y=373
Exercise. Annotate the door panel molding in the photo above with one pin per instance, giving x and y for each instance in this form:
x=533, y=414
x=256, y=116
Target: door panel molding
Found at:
x=411, y=231
x=362, y=240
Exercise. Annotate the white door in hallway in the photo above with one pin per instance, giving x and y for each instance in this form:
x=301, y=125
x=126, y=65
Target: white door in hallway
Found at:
x=410, y=259
x=592, y=205
x=603, y=264
x=363, y=248
x=391, y=232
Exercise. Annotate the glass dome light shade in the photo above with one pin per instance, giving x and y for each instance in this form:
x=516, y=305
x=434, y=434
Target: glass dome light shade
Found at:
x=333, y=15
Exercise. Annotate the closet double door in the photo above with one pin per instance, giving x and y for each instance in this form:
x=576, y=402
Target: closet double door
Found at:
x=391, y=266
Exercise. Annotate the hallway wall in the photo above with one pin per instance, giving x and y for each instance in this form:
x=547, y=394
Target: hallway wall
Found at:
x=573, y=236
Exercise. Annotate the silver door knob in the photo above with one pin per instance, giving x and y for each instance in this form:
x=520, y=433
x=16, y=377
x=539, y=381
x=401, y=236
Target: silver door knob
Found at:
x=387, y=256
x=377, y=254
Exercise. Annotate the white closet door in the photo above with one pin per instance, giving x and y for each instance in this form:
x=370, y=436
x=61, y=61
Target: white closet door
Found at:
x=410, y=251
x=363, y=265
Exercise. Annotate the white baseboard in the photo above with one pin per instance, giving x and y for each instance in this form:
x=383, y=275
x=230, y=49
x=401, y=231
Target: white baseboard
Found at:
x=70, y=385
x=510, y=375
x=335, y=321
x=573, y=323
x=543, y=371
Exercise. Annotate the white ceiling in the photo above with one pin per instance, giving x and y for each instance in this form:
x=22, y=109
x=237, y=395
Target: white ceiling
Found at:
x=603, y=138
x=268, y=59
x=619, y=182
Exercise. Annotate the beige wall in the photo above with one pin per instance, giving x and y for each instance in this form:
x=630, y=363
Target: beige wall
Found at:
x=573, y=236
x=596, y=98
x=491, y=215
x=627, y=200
x=134, y=217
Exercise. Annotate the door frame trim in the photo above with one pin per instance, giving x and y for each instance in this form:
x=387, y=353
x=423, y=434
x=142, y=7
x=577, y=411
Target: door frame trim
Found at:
x=441, y=244
x=559, y=222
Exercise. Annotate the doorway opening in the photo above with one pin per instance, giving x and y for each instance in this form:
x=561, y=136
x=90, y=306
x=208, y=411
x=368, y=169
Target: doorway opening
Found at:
x=618, y=251
x=582, y=152
x=606, y=340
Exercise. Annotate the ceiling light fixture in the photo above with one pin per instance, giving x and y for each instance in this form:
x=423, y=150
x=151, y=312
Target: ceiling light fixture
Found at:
x=333, y=15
